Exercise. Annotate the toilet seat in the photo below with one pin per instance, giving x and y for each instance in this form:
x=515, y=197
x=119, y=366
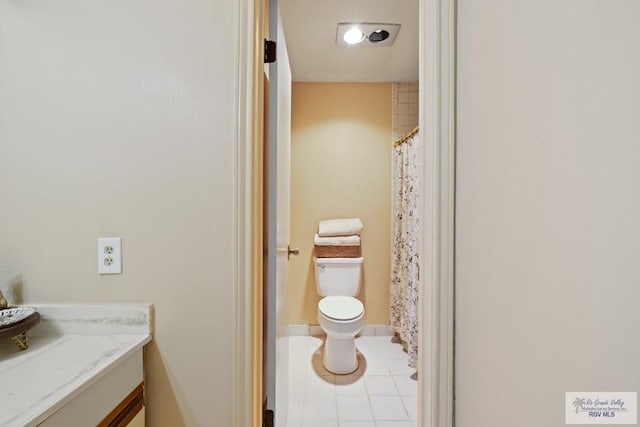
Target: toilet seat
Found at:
x=340, y=308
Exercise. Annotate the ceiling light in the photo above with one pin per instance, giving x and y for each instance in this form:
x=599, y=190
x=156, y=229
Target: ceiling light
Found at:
x=362, y=34
x=353, y=36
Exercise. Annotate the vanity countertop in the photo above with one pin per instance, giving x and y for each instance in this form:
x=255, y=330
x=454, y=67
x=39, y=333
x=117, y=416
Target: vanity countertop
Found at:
x=71, y=349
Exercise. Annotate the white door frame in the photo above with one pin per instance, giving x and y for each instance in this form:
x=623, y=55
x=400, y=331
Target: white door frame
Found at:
x=437, y=121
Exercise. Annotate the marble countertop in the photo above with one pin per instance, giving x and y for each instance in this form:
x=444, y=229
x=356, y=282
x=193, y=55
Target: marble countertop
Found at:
x=72, y=348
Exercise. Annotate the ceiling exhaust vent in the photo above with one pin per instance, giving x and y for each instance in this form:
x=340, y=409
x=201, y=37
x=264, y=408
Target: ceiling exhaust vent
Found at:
x=366, y=34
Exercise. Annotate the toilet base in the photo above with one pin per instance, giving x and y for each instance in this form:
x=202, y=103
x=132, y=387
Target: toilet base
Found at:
x=340, y=355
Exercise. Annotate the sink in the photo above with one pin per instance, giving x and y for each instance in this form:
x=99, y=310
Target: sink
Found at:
x=10, y=316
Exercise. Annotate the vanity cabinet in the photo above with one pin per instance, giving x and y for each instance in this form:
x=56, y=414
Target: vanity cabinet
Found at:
x=83, y=368
x=114, y=400
x=128, y=412
x=138, y=420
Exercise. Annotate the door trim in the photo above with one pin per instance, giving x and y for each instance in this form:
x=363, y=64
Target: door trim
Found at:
x=437, y=101
x=248, y=215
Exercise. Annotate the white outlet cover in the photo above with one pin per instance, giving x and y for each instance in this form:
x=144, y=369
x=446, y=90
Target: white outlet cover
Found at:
x=110, y=255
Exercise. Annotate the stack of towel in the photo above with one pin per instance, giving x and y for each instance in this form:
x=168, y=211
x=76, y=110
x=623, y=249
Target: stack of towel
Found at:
x=338, y=238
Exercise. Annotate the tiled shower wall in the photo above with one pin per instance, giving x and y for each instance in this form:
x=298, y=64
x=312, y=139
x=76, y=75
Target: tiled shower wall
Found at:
x=404, y=108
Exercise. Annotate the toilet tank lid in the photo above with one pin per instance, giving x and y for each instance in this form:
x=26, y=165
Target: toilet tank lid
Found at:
x=338, y=260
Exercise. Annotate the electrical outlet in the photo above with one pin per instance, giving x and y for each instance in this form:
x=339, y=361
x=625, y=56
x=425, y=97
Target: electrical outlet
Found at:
x=110, y=255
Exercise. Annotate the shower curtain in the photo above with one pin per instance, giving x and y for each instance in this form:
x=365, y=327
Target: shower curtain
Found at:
x=405, y=275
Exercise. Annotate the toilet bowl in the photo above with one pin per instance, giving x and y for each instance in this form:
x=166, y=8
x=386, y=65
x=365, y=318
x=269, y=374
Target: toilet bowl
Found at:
x=340, y=314
x=341, y=318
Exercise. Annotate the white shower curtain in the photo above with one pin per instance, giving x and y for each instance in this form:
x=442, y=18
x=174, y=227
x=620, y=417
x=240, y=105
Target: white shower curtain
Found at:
x=405, y=275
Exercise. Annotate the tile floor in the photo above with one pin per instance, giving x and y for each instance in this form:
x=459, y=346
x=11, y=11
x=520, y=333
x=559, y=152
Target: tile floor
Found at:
x=381, y=393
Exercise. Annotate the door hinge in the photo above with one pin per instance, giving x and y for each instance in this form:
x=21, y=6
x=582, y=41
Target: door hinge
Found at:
x=267, y=418
x=269, y=51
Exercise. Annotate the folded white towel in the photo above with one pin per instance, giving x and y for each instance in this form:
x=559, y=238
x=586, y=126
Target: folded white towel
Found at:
x=340, y=227
x=337, y=241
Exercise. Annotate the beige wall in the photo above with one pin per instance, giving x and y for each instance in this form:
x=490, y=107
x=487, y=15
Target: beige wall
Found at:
x=341, y=167
x=117, y=119
x=548, y=202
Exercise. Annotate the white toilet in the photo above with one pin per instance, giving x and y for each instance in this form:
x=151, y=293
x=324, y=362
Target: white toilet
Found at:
x=340, y=314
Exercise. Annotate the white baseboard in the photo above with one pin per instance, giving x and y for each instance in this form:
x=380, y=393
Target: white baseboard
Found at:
x=297, y=330
x=368, y=331
x=384, y=331
x=316, y=331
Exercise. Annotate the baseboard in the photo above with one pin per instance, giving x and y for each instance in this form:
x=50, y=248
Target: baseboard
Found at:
x=298, y=330
x=316, y=331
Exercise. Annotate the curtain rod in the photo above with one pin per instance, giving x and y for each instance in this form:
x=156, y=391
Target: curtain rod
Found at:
x=406, y=137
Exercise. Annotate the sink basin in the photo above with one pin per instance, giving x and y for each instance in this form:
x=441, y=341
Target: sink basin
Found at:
x=14, y=315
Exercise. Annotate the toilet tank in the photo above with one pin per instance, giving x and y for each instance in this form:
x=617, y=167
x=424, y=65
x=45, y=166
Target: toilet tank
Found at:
x=338, y=276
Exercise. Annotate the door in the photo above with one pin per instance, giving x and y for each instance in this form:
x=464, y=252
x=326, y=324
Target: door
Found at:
x=278, y=206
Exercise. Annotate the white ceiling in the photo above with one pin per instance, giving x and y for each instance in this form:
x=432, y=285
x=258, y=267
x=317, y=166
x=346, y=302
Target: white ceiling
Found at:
x=310, y=31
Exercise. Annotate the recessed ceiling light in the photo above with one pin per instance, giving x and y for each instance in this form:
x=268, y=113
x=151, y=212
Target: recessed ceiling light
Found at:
x=353, y=36
x=362, y=34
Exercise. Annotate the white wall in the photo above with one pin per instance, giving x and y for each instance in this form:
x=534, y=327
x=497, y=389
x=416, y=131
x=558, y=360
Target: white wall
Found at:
x=548, y=202
x=117, y=119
